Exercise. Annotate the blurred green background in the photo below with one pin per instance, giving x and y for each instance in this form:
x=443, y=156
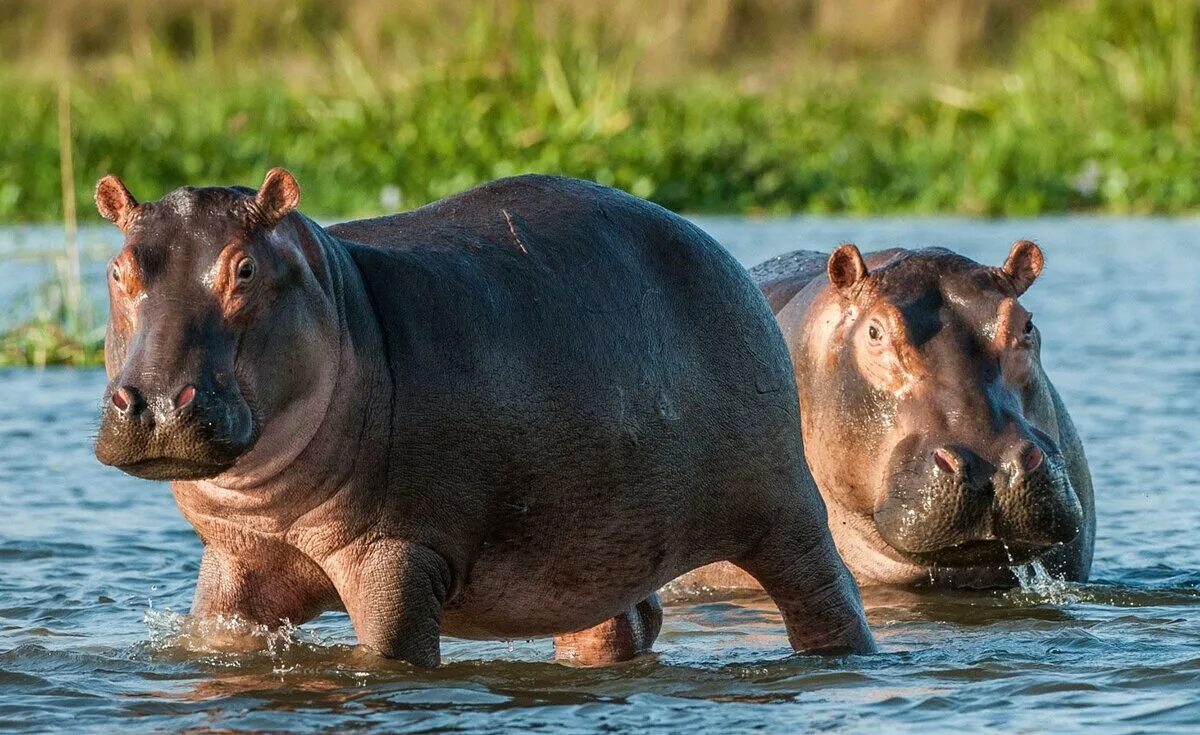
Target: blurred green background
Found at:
x=987, y=107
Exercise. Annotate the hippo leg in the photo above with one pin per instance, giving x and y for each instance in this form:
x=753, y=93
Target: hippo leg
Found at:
x=815, y=593
x=617, y=639
x=394, y=591
x=269, y=587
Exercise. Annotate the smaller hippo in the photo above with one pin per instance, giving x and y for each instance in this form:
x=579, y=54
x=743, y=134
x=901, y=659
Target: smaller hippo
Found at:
x=942, y=450
x=514, y=413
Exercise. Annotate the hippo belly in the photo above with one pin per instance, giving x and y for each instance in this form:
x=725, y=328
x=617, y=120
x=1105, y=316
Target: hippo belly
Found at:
x=518, y=595
x=568, y=562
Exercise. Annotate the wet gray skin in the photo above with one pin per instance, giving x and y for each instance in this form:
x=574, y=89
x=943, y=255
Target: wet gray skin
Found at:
x=940, y=446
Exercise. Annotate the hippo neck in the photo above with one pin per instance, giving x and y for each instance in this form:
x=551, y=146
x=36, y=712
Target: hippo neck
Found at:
x=315, y=447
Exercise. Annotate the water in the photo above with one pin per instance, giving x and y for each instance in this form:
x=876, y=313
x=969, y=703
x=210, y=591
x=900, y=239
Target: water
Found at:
x=96, y=567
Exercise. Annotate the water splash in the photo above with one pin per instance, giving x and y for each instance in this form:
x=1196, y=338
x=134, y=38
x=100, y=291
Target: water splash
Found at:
x=1036, y=581
x=223, y=634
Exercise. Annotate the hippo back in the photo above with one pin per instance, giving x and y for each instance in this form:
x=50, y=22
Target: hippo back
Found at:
x=527, y=267
x=783, y=276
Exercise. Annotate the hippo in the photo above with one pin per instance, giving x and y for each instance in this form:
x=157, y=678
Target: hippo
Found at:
x=513, y=413
x=943, y=452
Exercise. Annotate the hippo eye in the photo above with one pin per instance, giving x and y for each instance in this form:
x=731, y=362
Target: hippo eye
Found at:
x=1029, y=326
x=245, y=270
x=116, y=273
x=874, y=333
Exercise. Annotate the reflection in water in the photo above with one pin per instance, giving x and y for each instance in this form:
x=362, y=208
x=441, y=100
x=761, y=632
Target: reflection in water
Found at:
x=91, y=561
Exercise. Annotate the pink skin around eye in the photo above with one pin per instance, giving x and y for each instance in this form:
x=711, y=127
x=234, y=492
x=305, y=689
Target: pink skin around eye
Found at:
x=887, y=360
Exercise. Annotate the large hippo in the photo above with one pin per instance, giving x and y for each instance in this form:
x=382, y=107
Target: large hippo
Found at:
x=943, y=452
x=512, y=413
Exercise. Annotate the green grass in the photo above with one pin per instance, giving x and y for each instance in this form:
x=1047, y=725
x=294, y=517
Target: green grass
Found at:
x=1091, y=108
x=1093, y=112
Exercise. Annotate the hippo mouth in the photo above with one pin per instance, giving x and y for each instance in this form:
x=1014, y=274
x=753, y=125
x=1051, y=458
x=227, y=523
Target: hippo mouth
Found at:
x=174, y=469
x=980, y=552
x=189, y=445
x=185, y=460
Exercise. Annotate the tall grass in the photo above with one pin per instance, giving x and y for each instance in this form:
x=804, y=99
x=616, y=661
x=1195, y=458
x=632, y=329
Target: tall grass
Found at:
x=64, y=329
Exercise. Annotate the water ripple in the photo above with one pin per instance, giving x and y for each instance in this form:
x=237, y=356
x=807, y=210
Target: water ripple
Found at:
x=93, y=562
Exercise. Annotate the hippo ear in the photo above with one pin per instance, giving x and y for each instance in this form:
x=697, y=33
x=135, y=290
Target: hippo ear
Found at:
x=114, y=202
x=278, y=195
x=1024, y=265
x=846, y=267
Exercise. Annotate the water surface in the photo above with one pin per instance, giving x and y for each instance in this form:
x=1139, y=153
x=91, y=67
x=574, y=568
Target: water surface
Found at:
x=96, y=567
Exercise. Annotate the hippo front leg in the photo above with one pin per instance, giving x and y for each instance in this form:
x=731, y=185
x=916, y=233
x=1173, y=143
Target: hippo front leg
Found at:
x=629, y=634
x=394, y=592
x=816, y=595
x=271, y=585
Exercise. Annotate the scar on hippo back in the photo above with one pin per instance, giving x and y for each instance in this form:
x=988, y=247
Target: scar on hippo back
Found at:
x=512, y=229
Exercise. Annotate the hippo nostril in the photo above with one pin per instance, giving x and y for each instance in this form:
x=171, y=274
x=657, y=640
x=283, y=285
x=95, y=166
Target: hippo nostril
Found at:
x=947, y=461
x=185, y=397
x=122, y=400
x=1033, y=458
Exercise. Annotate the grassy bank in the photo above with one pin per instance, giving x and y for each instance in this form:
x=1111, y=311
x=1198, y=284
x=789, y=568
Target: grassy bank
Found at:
x=1089, y=107
x=1074, y=106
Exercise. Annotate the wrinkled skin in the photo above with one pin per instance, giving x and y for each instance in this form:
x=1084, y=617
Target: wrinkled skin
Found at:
x=942, y=450
x=510, y=414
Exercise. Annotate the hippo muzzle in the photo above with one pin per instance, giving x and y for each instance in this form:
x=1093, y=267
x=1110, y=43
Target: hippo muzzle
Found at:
x=951, y=507
x=188, y=433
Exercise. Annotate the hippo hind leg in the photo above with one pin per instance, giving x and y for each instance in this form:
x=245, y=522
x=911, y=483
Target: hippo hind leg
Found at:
x=799, y=567
x=621, y=638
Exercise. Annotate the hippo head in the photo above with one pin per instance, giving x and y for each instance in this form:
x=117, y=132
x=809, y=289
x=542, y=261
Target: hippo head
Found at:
x=218, y=327
x=926, y=411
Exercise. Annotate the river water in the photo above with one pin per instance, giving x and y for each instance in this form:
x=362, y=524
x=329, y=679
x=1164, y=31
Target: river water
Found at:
x=96, y=567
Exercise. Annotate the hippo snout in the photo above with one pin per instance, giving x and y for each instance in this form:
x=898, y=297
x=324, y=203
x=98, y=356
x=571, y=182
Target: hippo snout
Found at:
x=951, y=506
x=187, y=432
x=1036, y=504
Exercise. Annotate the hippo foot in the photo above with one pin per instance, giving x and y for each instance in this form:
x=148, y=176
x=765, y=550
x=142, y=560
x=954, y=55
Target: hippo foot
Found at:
x=621, y=638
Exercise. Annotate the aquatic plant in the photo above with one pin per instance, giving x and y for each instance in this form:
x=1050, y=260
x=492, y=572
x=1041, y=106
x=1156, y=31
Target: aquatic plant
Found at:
x=64, y=329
